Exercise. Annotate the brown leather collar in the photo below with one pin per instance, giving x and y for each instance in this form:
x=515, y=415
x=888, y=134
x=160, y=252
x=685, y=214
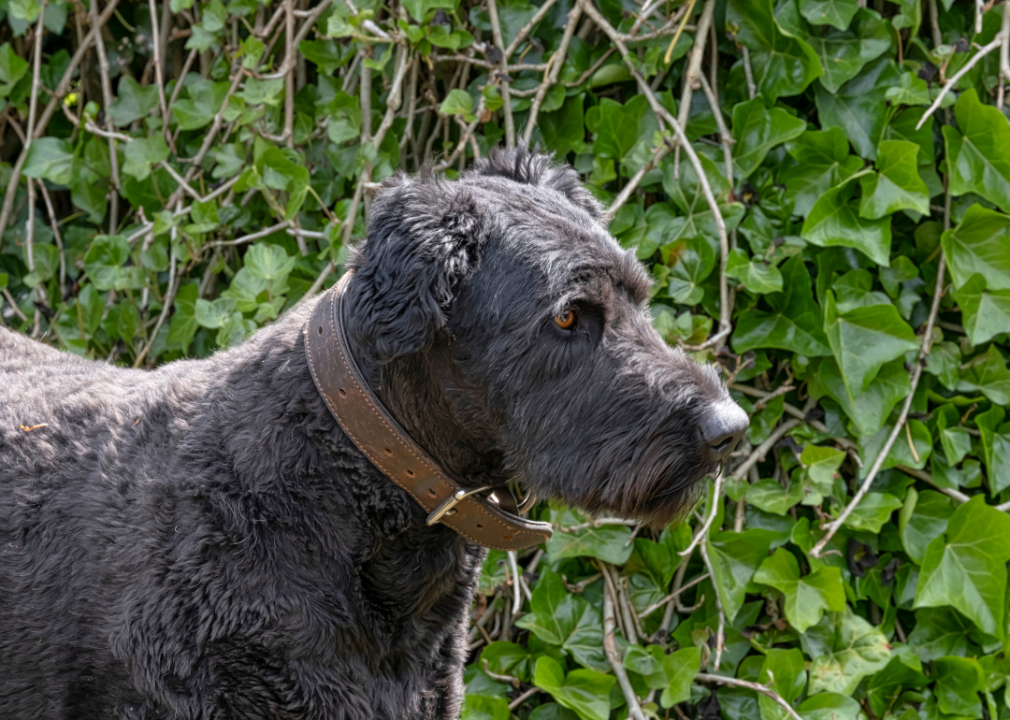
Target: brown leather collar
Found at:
x=377, y=434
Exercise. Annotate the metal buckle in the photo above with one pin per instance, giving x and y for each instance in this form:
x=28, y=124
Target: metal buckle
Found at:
x=527, y=502
x=450, y=502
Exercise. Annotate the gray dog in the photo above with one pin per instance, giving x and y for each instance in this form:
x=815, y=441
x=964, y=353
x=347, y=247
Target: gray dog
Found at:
x=204, y=541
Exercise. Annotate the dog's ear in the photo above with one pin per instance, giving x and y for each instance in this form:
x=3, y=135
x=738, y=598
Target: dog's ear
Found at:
x=422, y=242
x=533, y=167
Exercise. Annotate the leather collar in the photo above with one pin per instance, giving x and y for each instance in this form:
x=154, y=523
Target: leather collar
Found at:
x=392, y=451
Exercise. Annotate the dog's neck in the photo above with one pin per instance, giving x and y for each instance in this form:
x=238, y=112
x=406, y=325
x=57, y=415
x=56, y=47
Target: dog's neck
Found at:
x=429, y=400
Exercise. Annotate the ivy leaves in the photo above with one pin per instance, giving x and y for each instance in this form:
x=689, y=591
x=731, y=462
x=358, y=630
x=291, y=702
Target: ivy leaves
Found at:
x=966, y=567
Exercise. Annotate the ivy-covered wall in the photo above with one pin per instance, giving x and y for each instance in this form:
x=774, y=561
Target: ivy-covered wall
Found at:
x=821, y=189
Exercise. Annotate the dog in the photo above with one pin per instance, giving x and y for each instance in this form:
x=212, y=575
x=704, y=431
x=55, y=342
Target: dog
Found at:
x=206, y=541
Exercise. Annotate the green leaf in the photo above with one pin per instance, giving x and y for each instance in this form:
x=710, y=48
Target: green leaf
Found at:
x=976, y=155
x=843, y=53
x=758, y=277
x=958, y=682
x=587, y=692
x=214, y=314
x=911, y=90
x=457, y=102
x=12, y=67
x=783, y=672
x=782, y=65
x=204, y=101
x=995, y=448
x=679, y=669
x=980, y=243
x=896, y=185
x=133, y=101
x=822, y=463
x=835, y=221
x=50, y=159
x=837, y=13
x=955, y=440
x=845, y=649
x=184, y=325
x=269, y=262
x=695, y=262
x=142, y=153
x=484, y=707
x=989, y=375
x=506, y=658
x=694, y=219
x=608, y=543
x=859, y=106
x=806, y=597
x=104, y=261
x=757, y=130
x=735, y=558
x=923, y=518
x=966, y=567
x=25, y=10
x=561, y=618
x=938, y=632
x=872, y=512
x=830, y=706
x=864, y=339
x=984, y=314
x=904, y=671
x=419, y=8
x=794, y=322
x=822, y=161
x=771, y=497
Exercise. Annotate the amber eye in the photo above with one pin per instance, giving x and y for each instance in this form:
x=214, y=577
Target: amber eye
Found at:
x=566, y=319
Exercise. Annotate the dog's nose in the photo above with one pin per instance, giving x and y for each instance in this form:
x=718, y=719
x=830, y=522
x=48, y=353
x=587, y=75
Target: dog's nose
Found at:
x=722, y=430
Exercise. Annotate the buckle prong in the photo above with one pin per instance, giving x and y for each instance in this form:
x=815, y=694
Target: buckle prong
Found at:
x=451, y=501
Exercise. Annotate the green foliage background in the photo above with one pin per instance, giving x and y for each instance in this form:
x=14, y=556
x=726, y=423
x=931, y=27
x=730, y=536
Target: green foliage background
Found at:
x=198, y=167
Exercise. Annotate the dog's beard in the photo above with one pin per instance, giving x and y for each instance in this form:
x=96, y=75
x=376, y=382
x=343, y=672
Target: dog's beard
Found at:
x=655, y=482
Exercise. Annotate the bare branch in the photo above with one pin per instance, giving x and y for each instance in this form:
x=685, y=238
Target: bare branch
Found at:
x=510, y=127
x=961, y=73
x=756, y=687
x=610, y=648
x=703, y=530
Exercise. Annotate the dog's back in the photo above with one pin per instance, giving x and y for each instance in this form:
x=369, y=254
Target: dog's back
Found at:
x=68, y=496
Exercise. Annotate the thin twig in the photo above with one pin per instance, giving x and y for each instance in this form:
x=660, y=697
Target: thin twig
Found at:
x=956, y=495
x=759, y=453
x=902, y=416
x=720, y=636
x=107, y=98
x=748, y=73
x=525, y=29
x=756, y=687
x=556, y=62
x=672, y=596
x=658, y=154
x=610, y=648
x=289, y=76
x=517, y=597
x=526, y=695
x=55, y=227
x=597, y=523
x=510, y=127
x=159, y=73
x=713, y=511
x=1004, y=54
x=983, y=51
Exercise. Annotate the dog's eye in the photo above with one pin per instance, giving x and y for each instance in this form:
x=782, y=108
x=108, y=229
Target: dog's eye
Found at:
x=565, y=320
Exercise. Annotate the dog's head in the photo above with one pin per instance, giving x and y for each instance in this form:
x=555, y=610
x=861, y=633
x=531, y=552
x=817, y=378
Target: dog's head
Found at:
x=509, y=277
